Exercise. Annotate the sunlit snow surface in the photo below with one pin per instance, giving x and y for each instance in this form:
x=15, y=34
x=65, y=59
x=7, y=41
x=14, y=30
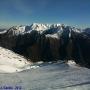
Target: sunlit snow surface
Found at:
x=49, y=76
x=11, y=62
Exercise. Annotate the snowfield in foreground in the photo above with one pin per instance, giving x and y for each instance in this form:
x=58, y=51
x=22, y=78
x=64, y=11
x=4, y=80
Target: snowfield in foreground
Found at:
x=49, y=76
x=11, y=62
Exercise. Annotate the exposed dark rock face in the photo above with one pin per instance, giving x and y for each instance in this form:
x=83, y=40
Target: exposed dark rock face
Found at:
x=81, y=48
x=50, y=45
x=64, y=40
x=7, y=41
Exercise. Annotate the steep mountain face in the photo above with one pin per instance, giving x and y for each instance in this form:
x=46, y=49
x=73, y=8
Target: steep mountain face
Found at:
x=81, y=48
x=48, y=42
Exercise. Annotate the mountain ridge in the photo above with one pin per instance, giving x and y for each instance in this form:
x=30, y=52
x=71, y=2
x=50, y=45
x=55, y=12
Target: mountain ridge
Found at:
x=48, y=42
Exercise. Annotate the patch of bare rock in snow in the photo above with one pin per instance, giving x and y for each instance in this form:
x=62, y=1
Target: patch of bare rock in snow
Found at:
x=11, y=62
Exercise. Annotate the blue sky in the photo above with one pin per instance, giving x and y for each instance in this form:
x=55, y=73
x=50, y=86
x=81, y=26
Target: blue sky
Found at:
x=25, y=12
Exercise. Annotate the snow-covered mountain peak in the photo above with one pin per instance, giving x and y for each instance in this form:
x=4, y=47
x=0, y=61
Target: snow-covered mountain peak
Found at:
x=76, y=30
x=42, y=27
x=59, y=26
x=39, y=27
x=55, y=25
x=15, y=30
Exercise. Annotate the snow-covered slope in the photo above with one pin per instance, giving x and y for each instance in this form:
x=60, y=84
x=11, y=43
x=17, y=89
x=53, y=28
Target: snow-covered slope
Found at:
x=2, y=32
x=53, y=36
x=11, y=62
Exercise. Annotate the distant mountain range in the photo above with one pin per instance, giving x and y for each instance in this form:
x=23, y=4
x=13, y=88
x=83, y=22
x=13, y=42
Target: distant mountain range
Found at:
x=48, y=42
x=40, y=28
